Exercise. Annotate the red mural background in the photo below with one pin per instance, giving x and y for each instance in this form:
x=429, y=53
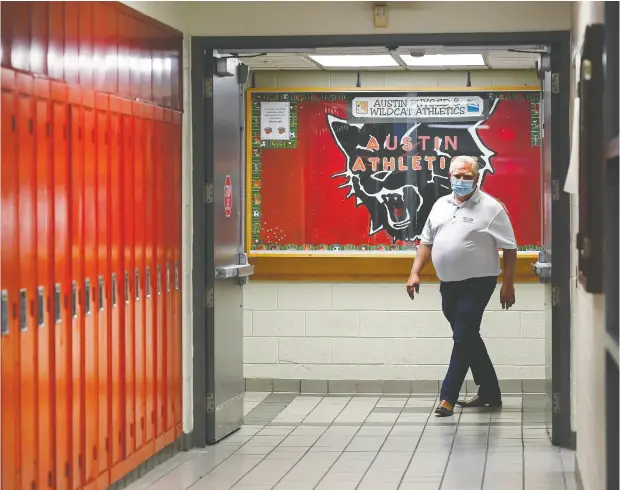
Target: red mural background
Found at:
x=301, y=202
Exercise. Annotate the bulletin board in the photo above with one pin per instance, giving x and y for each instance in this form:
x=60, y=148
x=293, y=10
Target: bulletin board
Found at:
x=356, y=172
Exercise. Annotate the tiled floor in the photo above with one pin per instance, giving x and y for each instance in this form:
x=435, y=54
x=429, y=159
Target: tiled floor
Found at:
x=293, y=442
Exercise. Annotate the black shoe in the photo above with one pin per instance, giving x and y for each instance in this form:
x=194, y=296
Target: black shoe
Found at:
x=478, y=401
x=445, y=409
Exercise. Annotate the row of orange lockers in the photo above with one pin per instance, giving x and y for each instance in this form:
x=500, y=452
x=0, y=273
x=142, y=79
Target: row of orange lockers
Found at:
x=91, y=284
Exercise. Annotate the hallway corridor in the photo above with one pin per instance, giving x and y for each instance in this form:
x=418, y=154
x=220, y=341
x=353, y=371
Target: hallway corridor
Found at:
x=389, y=442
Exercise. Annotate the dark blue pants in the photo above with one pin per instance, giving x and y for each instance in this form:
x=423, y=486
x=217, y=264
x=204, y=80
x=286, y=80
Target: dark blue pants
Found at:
x=463, y=304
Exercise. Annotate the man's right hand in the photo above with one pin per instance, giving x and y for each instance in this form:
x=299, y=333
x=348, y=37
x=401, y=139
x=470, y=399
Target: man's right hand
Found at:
x=413, y=285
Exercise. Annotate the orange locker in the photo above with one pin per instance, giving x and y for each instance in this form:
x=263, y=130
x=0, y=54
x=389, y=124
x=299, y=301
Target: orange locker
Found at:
x=138, y=278
x=61, y=283
x=70, y=59
x=9, y=259
x=176, y=158
x=45, y=339
x=86, y=61
x=76, y=303
x=100, y=288
x=55, y=49
x=128, y=191
x=39, y=36
x=91, y=389
x=116, y=305
x=167, y=165
x=161, y=232
x=27, y=282
x=149, y=303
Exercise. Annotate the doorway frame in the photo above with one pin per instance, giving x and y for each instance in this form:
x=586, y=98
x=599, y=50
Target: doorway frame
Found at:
x=203, y=274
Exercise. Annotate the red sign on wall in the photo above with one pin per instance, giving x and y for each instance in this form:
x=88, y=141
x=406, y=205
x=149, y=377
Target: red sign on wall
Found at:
x=228, y=201
x=342, y=183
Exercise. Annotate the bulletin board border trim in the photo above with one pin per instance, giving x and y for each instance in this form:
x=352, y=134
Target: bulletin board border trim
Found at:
x=341, y=266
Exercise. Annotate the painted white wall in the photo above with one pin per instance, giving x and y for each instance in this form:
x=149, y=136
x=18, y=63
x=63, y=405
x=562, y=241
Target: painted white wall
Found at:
x=588, y=322
x=348, y=331
x=169, y=13
x=278, y=18
x=393, y=79
x=331, y=331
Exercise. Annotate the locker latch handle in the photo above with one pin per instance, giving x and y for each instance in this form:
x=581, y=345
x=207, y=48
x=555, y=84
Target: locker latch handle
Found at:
x=23, y=324
x=4, y=312
x=148, y=282
x=100, y=292
x=167, y=276
x=74, y=301
x=127, y=287
x=87, y=296
x=137, y=284
x=158, y=280
x=176, y=276
x=113, y=286
x=57, y=305
x=41, y=306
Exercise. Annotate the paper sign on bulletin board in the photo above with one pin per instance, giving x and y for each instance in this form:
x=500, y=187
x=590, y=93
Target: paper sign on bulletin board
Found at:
x=275, y=120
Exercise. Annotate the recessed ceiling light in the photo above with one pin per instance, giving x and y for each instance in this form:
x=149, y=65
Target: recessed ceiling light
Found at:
x=444, y=60
x=354, y=61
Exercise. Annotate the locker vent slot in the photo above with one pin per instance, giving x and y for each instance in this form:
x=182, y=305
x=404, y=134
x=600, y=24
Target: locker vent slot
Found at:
x=137, y=284
x=158, y=279
x=127, y=287
x=114, y=290
x=57, y=305
x=148, y=282
x=176, y=276
x=87, y=296
x=23, y=325
x=167, y=276
x=100, y=293
x=4, y=312
x=74, y=301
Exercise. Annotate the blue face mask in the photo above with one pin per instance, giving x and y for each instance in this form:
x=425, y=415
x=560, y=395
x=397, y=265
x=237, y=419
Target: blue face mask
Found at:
x=462, y=187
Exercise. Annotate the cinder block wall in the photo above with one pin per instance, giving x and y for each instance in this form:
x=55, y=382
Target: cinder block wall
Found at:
x=344, y=337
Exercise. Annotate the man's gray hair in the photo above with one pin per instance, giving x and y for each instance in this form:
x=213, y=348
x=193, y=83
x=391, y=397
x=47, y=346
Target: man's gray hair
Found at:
x=466, y=159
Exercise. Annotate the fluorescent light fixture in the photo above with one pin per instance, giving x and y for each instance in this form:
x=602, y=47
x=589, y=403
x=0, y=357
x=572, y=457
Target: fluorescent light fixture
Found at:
x=444, y=60
x=354, y=61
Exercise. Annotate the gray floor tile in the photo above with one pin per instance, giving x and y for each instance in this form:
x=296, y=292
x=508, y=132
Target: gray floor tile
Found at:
x=364, y=442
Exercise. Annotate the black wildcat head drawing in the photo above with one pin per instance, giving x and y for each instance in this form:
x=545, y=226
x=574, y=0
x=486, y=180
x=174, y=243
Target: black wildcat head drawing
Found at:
x=398, y=170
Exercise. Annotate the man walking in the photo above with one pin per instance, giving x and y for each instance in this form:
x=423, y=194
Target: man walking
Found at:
x=463, y=233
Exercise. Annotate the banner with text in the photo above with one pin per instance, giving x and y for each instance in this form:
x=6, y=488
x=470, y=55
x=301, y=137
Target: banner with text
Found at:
x=452, y=107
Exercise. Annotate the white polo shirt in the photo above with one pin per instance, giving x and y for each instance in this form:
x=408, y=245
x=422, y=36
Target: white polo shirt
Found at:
x=466, y=237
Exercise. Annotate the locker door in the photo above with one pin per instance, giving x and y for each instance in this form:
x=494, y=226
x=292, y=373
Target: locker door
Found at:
x=128, y=284
x=9, y=219
x=76, y=306
x=167, y=165
x=61, y=284
x=178, y=324
x=149, y=324
x=45, y=365
x=162, y=348
x=116, y=305
x=100, y=288
x=138, y=276
x=27, y=285
x=91, y=391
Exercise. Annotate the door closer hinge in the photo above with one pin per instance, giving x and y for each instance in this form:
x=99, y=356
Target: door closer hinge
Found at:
x=209, y=298
x=210, y=403
x=555, y=190
x=555, y=83
x=208, y=88
x=555, y=295
x=555, y=405
x=208, y=193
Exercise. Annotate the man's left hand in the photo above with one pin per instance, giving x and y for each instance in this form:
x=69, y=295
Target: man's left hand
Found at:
x=507, y=295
